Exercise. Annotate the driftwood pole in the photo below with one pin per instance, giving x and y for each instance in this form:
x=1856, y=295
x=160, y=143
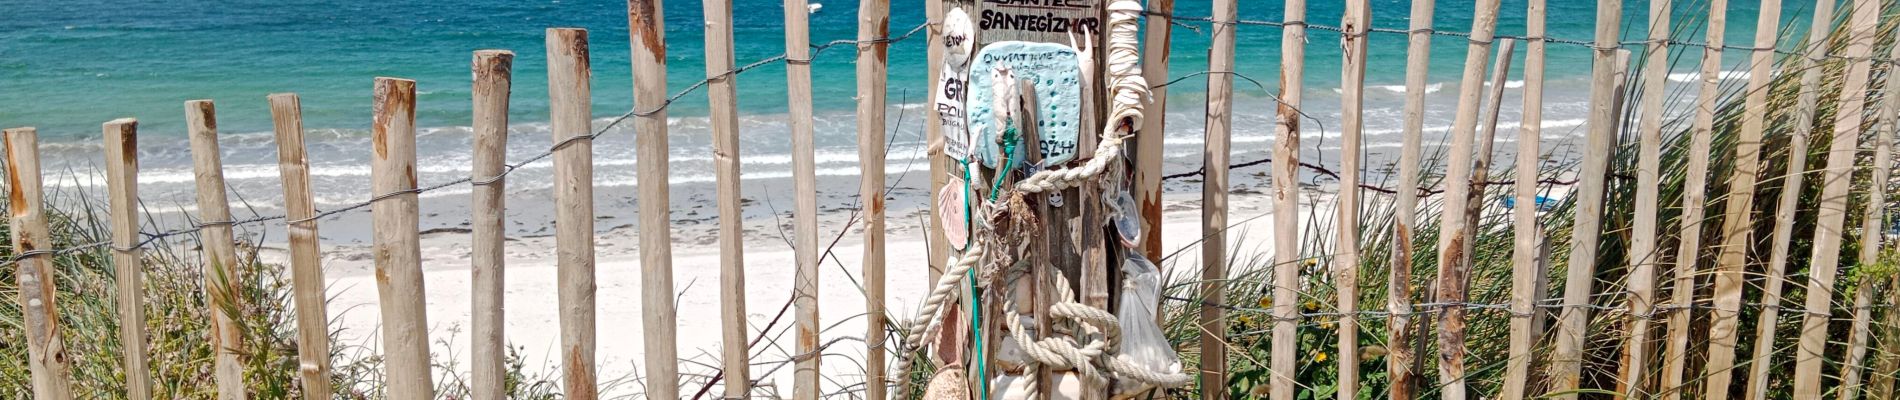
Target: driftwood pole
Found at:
x=1154, y=131
x=1792, y=188
x=722, y=94
x=493, y=74
x=46, y=351
x=1643, y=254
x=873, y=27
x=1739, y=219
x=1220, y=88
x=1286, y=204
x=1830, y=217
x=1573, y=320
x=306, y=258
x=220, y=249
x=805, y=206
x=647, y=28
x=570, y=105
x=398, y=252
x=122, y=185
x=1400, y=359
x=1453, y=264
x=1357, y=20
x=1527, y=231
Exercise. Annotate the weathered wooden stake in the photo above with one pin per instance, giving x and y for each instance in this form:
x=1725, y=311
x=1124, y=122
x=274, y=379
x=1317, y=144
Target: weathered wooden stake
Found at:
x=1791, y=190
x=1220, y=116
x=220, y=249
x=1874, y=217
x=1154, y=131
x=646, y=24
x=1738, y=223
x=493, y=71
x=933, y=134
x=1400, y=359
x=306, y=258
x=1643, y=254
x=1357, y=21
x=805, y=204
x=122, y=184
x=570, y=105
x=46, y=351
x=1694, y=199
x=1526, y=268
x=1573, y=320
x=398, y=250
x=1453, y=264
x=1881, y=382
x=1286, y=203
x=874, y=17
x=722, y=93
x=1830, y=217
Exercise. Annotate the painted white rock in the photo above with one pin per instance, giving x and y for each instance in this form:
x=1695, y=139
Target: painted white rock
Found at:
x=948, y=384
x=953, y=83
x=1056, y=72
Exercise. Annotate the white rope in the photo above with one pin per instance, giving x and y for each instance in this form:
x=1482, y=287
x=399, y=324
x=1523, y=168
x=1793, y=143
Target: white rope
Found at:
x=1128, y=93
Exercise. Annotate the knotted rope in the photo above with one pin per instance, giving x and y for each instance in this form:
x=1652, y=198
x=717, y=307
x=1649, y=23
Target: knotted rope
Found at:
x=1128, y=94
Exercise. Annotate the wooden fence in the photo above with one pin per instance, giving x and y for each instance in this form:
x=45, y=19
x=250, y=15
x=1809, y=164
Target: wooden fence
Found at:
x=1558, y=370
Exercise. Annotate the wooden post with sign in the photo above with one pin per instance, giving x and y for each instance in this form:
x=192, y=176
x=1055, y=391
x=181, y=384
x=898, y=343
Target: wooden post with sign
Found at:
x=1066, y=129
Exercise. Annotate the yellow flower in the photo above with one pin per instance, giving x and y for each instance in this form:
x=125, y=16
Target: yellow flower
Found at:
x=1312, y=305
x=1266, y=302
x=1327, y=325
x=1321, y=357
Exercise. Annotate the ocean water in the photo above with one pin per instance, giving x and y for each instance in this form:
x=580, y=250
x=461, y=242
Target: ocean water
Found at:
x=67, y=66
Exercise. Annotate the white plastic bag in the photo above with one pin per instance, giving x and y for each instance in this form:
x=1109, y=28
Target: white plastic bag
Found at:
x=1143, y=344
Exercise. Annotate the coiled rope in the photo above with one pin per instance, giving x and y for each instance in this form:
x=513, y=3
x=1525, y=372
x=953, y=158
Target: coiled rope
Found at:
x=1128, y=95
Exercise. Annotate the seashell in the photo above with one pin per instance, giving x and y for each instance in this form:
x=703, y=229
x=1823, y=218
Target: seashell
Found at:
x=953, y=210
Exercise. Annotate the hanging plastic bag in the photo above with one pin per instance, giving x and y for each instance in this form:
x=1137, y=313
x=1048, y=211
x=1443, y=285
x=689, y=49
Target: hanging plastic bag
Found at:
x=1143, y=344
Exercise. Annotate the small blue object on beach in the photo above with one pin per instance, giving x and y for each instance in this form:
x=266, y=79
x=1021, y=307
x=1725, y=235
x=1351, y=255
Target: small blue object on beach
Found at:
x=1543, y=203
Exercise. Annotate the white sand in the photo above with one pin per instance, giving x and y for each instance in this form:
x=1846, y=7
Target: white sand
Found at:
x=533, y=324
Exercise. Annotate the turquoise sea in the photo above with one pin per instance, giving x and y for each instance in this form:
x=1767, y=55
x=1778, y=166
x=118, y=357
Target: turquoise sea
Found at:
x=66, y=66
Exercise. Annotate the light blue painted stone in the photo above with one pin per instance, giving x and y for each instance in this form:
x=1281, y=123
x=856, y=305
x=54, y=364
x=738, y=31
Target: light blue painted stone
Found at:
x=1058, y=78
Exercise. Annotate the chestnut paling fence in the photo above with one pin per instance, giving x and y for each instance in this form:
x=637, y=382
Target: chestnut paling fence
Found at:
x=1835, y=89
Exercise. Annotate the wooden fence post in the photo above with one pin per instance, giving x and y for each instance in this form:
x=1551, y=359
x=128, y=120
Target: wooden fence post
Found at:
x=1831, y=213
x=933, y=134
x=1399, y=357
x=1220, y=87
x=1573, y=320
x=1453, y=265
x=1286, y=200
x=33, y=245
x=1357, y=21
x=873, y=27
x=1806, y=103
x=1643, y=254
x=571, y=105
x=220, y=250
x=1526, y=274
x=306, y=259
x=721, y=92
x=1694, y=199
x=47, y=361
x=1874, y=217
x=1881, y=383
x=646, y=25
x=122, y=184
x=1738, y=223
x=805, y=204
x=1151, y=142
x=493, y=75
x=398, y=250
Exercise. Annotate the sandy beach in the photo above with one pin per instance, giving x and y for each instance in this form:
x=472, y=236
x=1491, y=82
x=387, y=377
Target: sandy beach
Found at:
x=532, y=318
